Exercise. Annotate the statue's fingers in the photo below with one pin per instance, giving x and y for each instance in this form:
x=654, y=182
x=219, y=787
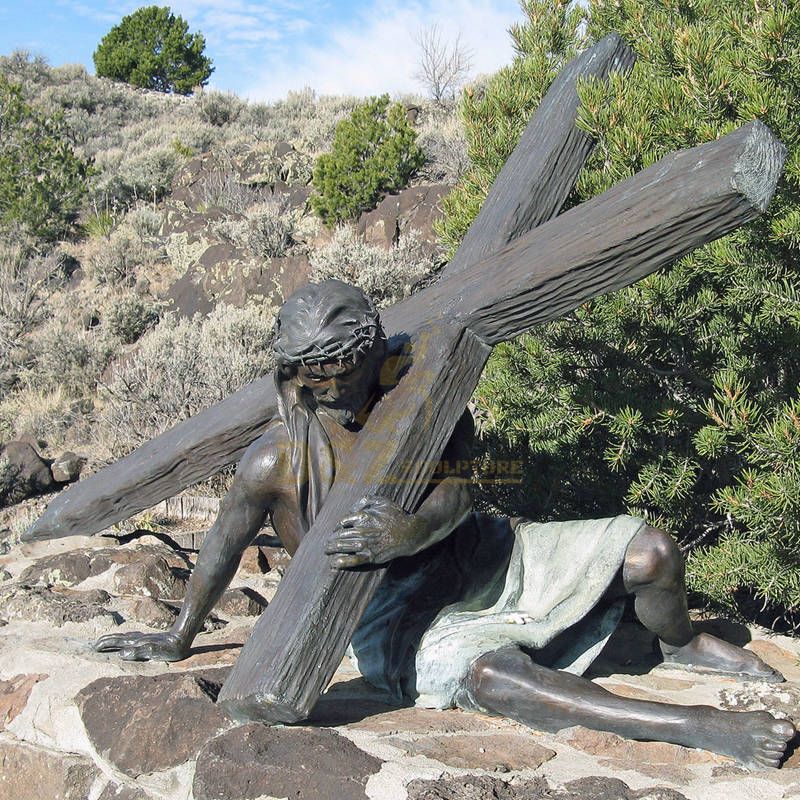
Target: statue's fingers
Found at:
x=349, y=544
x=142, y=652
x=355, y=520
x=350, y=561
x=112, y=641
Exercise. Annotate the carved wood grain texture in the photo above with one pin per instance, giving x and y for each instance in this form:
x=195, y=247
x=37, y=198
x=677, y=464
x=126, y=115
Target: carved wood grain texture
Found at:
x=540, y=173
x=531, y=188
x=655, y=217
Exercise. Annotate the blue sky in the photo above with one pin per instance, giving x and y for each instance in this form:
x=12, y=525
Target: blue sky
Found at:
x=261, y=50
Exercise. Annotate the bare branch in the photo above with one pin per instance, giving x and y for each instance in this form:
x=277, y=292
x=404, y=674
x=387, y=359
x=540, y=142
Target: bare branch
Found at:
x=443, y=69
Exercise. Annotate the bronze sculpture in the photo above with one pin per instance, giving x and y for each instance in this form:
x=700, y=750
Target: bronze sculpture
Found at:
x=459, y=610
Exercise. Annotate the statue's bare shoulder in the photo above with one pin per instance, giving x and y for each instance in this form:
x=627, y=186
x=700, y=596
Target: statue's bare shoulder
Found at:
x=263, y=469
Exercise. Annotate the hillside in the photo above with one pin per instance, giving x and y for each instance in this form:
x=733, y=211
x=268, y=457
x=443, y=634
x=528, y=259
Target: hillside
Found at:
x=195, y=226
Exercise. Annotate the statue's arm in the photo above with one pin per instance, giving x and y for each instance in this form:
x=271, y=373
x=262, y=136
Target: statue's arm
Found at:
x=241, y=515
x=379, y=531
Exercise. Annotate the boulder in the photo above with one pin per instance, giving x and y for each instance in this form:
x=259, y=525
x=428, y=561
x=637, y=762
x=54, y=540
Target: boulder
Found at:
x=114, y=791
x=497, y=753
x=415, y=208
x=28, y=772
x=147, y=724
x=27, y=474
x=151, y=612
x=254, y=761
x=151, y=576
x=55, y=605
x=67, y=467
x=14, y=695
x=75, y=566
x=242, y=602
x=484, y=787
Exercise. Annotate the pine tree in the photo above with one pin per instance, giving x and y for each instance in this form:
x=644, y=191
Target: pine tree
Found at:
x=676, y=399
x=374, y=152
x=153, y=49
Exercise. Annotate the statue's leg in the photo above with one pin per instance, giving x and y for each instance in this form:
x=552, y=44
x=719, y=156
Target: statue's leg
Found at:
x=509, y=683
x=653, y=571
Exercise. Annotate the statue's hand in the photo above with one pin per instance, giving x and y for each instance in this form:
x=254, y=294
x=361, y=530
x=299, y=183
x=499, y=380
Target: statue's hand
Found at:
x=136, y=646
x=376, y=532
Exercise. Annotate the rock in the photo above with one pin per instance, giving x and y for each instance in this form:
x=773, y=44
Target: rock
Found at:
x=777, y=657
x=781, y=699
x=474, y=787
x=277, y=558
x=609, y=745
x=114, y=791
x=486, y=788
x=146, y=724
x=253, y=760
x=498, y=752
x=5, y=575
x=153, y=613
x=241, y=603
x=75, y=566
x=64, y=569
x=151, y=576
x=67, y=467
x=425, y=720
x=416, y=208
x=31, y=473
x=28, y=772
x=14, y=695
x=222, y=273
x=56, y=606
x=254, y=561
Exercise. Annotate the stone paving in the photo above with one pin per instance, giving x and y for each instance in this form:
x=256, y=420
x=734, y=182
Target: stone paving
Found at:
x=77, y=724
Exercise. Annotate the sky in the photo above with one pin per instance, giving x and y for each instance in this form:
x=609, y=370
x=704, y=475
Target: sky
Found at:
x=262, y=50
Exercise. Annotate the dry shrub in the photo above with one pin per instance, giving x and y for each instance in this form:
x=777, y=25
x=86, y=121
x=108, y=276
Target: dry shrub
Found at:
x=219, y=108
x=47, y=415
x=385, y=275
x=27, y=281
x=441, y=136
x=180, y=368
x=130, y=316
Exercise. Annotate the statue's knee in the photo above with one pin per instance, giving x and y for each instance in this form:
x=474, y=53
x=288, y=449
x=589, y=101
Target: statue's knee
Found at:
x=653, y=557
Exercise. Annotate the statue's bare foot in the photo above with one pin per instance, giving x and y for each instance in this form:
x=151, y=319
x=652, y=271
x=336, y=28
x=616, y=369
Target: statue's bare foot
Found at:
x=755, y=739
x=707, y=653
x=136, y=646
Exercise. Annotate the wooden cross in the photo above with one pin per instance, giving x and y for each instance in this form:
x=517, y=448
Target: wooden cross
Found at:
x=636, y=227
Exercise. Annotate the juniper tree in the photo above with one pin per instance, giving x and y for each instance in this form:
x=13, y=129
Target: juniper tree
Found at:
x=153, y=49
x=677, y=398
x=374, y=152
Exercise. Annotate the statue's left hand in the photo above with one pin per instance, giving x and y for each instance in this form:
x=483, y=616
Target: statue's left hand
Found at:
x=376, y=532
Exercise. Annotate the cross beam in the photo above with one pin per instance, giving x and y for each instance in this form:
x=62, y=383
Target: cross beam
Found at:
x=647, y=222
x=530, y=189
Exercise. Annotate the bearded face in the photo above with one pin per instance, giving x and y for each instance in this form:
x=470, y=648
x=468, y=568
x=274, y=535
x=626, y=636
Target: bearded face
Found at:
x=343, y=389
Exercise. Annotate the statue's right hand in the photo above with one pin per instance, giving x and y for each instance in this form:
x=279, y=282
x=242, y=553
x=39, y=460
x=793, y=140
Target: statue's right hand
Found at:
x=136, y=646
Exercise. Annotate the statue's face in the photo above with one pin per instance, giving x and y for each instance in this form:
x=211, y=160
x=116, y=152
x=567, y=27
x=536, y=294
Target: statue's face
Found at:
x=341, y=389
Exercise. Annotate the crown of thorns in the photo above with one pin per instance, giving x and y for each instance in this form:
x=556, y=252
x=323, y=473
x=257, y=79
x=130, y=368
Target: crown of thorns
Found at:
x=361, y=337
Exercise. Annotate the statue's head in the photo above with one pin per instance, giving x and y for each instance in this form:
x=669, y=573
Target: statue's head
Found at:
x=329, y=340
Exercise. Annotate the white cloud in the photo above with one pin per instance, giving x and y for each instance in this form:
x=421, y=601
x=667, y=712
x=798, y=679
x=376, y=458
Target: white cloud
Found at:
x=377, y=51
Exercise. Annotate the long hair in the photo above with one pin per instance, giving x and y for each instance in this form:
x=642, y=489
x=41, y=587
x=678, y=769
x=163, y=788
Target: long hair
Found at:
x=320, y=323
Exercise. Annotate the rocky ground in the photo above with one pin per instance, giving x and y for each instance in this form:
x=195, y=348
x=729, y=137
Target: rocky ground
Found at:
x=77, y=724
